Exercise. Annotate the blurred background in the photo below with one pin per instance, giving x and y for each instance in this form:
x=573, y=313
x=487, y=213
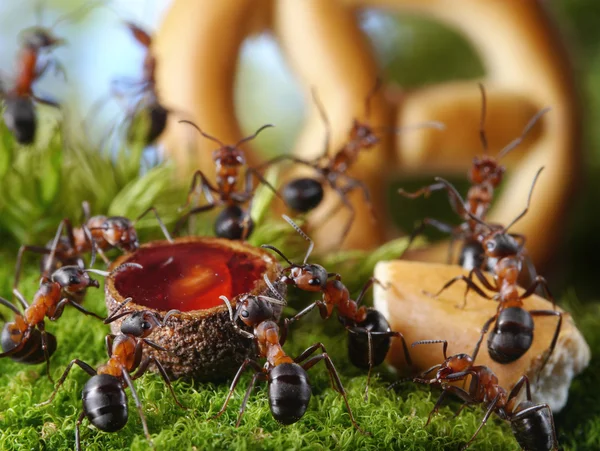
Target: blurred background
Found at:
x=100, y=49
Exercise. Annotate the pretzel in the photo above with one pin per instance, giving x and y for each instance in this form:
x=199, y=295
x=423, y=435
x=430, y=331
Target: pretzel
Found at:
x=197, y=48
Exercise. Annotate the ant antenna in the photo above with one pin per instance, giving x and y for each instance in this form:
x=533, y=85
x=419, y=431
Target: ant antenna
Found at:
x=110, y=318
x=274, y=249
x=251, y=137
x=168, y=315
x=526, y=209
x=516, y=142
x=228, y=304
x=233, y=317
x=311, y=244
x=429, y=342
x=86, y=7
x=374, y=89
x=207, y=136
x=114, y=271
x=482, y=135
x=280, y=299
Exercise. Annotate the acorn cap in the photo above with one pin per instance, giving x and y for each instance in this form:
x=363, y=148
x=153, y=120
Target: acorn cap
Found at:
x=189, y=275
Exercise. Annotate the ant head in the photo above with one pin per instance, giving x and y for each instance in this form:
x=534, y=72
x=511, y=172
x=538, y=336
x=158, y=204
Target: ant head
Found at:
x=40, y=38
x=73, y=279
x=140, y=324
x=309, y=277
x=486, y=170
x=455, y=364
x=253, y=310
x=229, y=157
x=363, y=134
x=499, y=244
x=119, y=232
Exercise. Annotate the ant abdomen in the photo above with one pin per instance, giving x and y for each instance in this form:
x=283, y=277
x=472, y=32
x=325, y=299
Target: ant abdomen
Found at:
x=358, y=343
x=512, y=335
x=303, y=194
x=105, y=402
x=32, y=352
x=230, y=223
x=533, y=427
x=20, y=118
x=155, y=117
x=289, y=392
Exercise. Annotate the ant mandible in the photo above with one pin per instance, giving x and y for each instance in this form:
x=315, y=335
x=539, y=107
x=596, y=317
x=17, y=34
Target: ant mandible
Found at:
x=532, y=424
x=513, y=331
x=369, y=333
x=485, y=176
x=289, y=387
x=233, y=222
x=306, y=193
x=19, y=113
x=104, y=397
x=96, y=234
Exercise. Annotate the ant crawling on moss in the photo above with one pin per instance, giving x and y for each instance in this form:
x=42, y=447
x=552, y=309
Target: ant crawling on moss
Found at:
x=104, y=397
x=513, y=331
x=306, y=193
x=233, y=222
x=98, y=233
x=369, y=333
x=25, y=339
x=532, y=424
x=36, y=43
x=289, y=388
x=485, y=176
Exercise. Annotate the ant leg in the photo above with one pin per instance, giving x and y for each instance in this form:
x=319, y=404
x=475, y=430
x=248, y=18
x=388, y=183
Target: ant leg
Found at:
x=256, y=376
x=22, y=250
x=160, y=222
x=77, y=433
x=154, y=345
x=429, y=342
x=84, y=366
x=336, y=378
x=368, y=285
x=193, y=211
x=46, y=101
x=484, y=331
x=517, y=388
x=464, y=278
x=65, y=223
x=21, y=298
x=436, y=407
x=11, y=306
x=542, y=282
x=462, y=394
x=200, y=179
x=350, y=220
x=257, y=368
x=281, y=158
x=63, y=303
x=483, y=421
x=42, y=328
x=139, y=406
x=323, y=311
x=354, y=183
x=108, y=343
x=249, y=188
x=144, y=367
x=425, y=191
x=482, y=279
x=554, y=337
x=456, y=201
x=439, y=225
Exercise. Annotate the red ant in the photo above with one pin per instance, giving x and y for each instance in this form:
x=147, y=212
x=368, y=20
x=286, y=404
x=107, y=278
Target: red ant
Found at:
x=289, y=388
x=369, y=332
x=485, y=176
x=532, y=424
x=306, y=193
x=513, y=331
x=96, y=234
x=19, y=111
x=104, y=398
x=233, y=222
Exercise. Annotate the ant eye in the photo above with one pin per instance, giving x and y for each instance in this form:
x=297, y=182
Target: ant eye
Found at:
x=314, y=281
x=491, y=245
x=146, y=325
x=74, y=281
x=245, y=314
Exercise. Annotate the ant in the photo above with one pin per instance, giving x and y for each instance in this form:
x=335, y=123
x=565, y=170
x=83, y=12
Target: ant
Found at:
x=19, y=110
x=104, y=398
x=369, y=333
x=306, y=193
x=96, y=234
x=485, y=176
x=532, y=424
x=289, y=387
x=513, y=331
x=233, y=222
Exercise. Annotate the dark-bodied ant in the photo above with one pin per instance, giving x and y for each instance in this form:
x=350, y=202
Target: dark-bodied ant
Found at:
x=25, y=339
x=233, y=222
x=512, y=334
x=369, y=333
x=19, y=110
x=104, y=397
x=532, y=424
x=289, y=387
x=306, y=193
x=485, y=176
x=97, y=233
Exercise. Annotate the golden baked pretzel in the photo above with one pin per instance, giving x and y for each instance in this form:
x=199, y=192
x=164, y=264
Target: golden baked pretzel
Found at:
x=197, y=48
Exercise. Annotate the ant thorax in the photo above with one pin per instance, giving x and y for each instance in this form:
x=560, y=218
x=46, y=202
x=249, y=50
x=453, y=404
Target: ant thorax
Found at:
x=479, y=199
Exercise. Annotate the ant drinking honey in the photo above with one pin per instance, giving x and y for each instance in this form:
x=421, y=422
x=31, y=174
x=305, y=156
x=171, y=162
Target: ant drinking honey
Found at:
x=532, y=424
x=104, y=397
x=485, y=176
x=369, y=333
x=289, y=387
x=233, y=222
x=513, y=331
